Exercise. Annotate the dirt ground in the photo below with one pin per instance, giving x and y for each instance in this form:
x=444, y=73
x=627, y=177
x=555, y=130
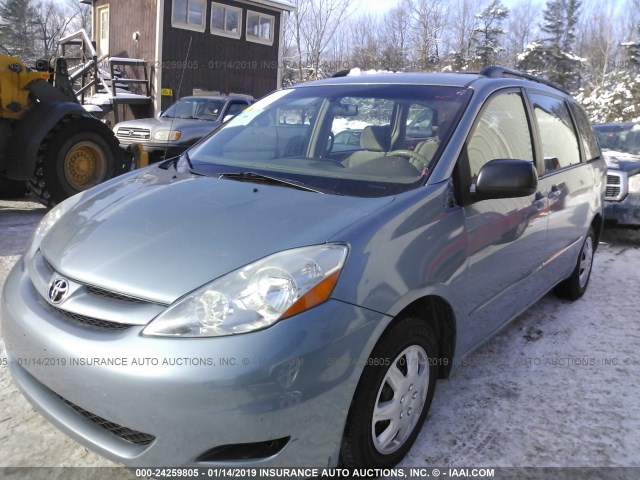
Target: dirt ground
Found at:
x=558, y=387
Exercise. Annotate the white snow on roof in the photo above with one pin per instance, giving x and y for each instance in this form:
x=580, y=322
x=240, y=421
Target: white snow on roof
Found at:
x=354, y=72
x=105, y=99
x=279, y=4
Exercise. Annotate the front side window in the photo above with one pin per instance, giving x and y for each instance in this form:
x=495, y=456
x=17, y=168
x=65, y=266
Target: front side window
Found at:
x=260, y=27
x=502, y=131
x=347, y=140
x=189, y=14
x=226, y=20
x=557, y=134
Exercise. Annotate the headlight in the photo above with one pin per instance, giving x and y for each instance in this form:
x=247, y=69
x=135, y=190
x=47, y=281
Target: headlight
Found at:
x=167, y=135
x=256, y=296
x=634, y=183
x=47, y=222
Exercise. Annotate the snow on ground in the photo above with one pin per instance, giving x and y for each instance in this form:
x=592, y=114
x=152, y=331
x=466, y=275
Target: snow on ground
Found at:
x=340, y=124
x=558, y=387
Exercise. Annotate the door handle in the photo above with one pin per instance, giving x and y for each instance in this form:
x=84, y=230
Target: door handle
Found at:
x=554, y=193
x=539, y=201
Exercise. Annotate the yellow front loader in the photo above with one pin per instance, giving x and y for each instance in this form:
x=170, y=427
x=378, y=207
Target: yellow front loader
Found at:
x=48, y=143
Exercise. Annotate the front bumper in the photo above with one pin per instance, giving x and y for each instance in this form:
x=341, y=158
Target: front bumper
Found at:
x=294, y=380
x=625, y=212
x=157, y=151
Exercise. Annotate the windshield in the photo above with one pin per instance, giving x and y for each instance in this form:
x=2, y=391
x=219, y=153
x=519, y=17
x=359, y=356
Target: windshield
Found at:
x=360, y=140
x=624, y=139
x=195, y=108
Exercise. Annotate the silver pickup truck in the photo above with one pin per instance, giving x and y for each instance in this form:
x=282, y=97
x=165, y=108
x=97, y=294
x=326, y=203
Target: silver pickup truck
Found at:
x=181, y=125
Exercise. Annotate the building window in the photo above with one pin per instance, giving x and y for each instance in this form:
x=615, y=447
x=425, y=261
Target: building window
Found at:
x=189, y=14
x=226, y=20
x=260, y=27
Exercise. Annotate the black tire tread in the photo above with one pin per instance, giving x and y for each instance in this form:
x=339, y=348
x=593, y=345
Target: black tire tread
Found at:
x=401, y=333
x=38, y=187
x=569, y=289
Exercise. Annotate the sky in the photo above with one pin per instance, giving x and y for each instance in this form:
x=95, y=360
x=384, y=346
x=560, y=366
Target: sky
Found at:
x=381, y=6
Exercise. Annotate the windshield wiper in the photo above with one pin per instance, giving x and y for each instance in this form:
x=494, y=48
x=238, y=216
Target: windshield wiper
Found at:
x=266, y=179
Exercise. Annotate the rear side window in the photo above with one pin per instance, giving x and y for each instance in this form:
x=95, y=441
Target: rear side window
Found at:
x=589, y=142
x=502, y=131
x=557, y=135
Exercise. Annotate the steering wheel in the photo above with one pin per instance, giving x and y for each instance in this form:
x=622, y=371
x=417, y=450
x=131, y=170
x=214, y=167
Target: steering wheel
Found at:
x=408, y=153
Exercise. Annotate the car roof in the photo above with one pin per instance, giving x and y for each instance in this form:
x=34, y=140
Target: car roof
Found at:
x=215, y=97
x=489, y=78
x=450, y=79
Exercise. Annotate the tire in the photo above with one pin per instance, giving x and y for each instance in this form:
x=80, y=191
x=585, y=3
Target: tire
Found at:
x=366, y=444
x=574, y=287
x=78, y=153
x=12, y=188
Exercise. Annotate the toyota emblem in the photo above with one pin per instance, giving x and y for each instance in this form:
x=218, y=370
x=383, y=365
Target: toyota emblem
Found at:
x=58, y=290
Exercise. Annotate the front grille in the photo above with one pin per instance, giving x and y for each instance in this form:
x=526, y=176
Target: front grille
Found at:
x=90, y=306
x=126, y=434
x=133, y=133
x=616, y=187
x=111, y=295
x=92, y=322
x=612, y=192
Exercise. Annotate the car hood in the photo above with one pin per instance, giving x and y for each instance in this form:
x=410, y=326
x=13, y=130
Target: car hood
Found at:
x=622, y=161
x=161, y=234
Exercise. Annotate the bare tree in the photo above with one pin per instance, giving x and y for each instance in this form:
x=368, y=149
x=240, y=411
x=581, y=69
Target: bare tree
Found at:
x=462, y=26
x=598, y=41
x=429, y=22
x=365, y=42
x=520, y=31
x=294, y=31
x=50, y=22
x=319, y=25
x=395, y=31
x=81, y=13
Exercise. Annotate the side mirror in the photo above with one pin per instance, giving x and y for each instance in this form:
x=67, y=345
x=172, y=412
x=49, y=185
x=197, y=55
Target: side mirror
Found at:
x=160, y=113
x=227, y=118
x=506, y=178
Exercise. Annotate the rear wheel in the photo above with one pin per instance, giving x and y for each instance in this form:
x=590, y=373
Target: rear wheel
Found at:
x=574, y=287
x=12, y=188
x=392, y=398
x=79, y=153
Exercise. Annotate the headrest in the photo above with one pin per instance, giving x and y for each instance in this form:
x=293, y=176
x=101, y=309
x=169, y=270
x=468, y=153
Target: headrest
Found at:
x=375, y=138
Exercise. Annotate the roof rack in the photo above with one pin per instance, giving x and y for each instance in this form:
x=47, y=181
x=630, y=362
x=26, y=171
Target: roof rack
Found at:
x=494, y=71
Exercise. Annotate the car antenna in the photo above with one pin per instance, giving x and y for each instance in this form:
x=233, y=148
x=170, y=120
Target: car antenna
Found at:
x=184, y=68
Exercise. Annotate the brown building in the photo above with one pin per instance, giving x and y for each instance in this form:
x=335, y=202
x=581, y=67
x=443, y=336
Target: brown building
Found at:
x=225, y=46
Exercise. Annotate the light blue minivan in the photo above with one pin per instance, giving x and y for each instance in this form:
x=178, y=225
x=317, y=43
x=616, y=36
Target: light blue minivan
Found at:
x=266, y=299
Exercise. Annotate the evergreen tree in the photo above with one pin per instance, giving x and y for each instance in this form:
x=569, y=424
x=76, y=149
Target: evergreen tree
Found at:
x=488, y=33
x=552, y=56
x=16, y=32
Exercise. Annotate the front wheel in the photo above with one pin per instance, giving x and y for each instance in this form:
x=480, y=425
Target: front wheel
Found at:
x=574, y=287
x=79, y=153
x=392, y=398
